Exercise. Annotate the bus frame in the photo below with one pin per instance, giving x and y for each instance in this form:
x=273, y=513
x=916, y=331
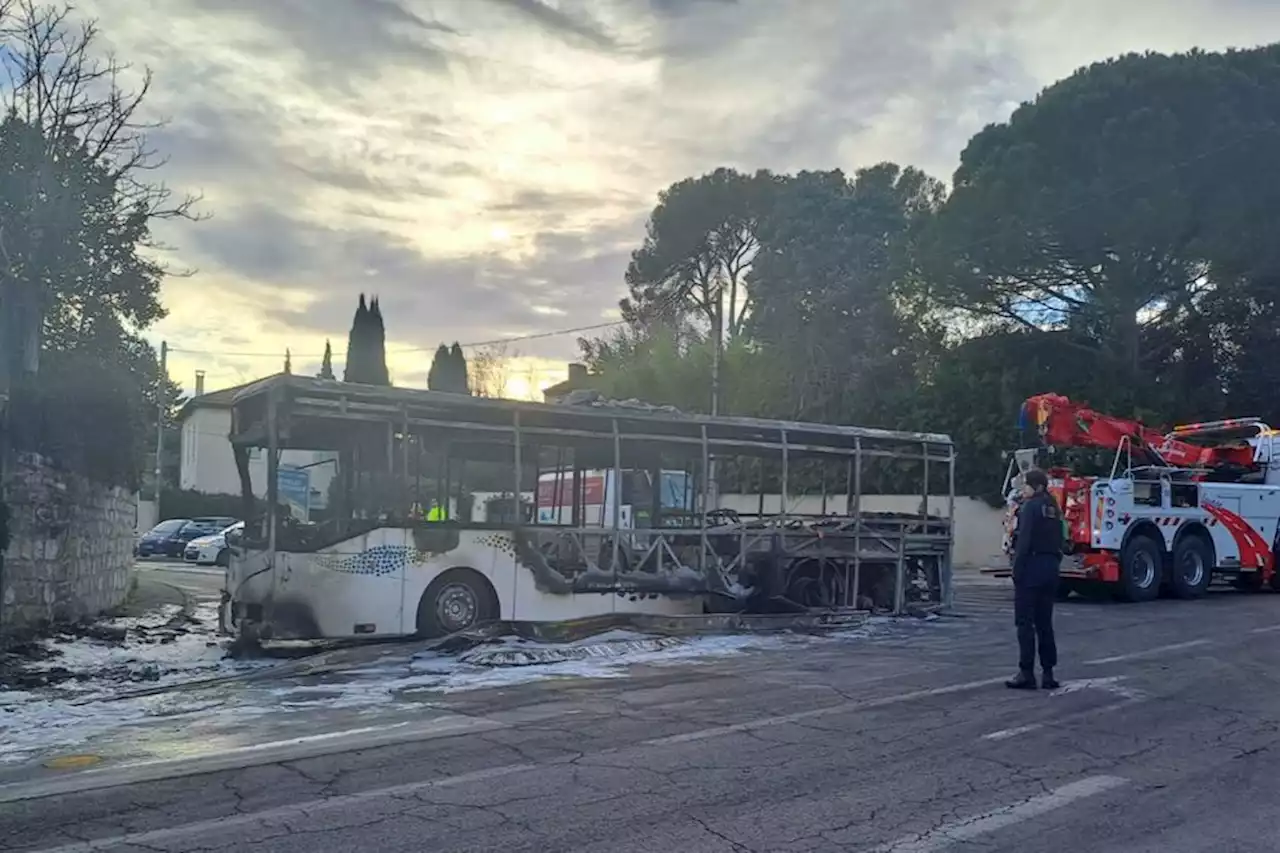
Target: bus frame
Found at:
x=290, y=581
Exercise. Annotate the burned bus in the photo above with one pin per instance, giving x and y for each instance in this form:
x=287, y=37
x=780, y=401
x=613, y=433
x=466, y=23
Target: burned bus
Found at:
x=657, y=541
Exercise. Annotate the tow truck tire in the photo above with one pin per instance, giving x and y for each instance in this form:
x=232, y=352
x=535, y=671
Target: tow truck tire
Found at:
x=1141, y=569
x=1192, y=567
x=458, y=600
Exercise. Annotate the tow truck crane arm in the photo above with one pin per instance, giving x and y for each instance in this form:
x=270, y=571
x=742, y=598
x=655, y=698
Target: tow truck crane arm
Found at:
x=1063, y=423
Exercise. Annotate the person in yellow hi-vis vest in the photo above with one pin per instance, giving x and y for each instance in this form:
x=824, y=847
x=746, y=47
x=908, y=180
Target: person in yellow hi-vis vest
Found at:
x=436, y=513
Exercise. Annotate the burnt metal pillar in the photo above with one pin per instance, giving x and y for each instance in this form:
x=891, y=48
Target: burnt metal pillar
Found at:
x=273, y=492
x=617, y=496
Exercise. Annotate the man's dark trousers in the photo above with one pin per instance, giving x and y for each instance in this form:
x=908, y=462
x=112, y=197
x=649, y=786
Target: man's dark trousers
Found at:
x=1033, y=598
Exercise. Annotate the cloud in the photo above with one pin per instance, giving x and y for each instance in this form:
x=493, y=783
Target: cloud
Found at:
x=577, y=26
x=487, y=165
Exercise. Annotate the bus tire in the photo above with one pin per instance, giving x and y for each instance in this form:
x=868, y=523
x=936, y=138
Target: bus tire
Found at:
x=1192, y=566
x=1141, y=569
x=458, y=600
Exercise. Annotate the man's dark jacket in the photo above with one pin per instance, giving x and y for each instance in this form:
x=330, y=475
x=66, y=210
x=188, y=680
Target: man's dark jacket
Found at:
x=1038, y=541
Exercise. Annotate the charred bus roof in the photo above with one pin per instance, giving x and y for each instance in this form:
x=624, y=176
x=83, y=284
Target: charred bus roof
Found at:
x=316, y=414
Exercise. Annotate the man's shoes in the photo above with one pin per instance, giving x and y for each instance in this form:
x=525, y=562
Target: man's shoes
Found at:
x=1022, y=681
x=1048, y=682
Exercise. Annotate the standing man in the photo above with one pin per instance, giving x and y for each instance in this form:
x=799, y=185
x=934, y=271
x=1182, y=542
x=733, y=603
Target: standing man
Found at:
x=1036, y=557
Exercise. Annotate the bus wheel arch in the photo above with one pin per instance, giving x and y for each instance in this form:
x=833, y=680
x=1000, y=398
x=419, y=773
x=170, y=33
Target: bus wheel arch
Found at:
x=1193, y=563
x=457, y=600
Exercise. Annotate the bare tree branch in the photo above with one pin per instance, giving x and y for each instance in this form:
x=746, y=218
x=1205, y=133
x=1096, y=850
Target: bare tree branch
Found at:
x=58, y=84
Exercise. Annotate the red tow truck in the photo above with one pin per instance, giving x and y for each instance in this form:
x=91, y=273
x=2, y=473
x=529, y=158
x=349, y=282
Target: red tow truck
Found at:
x=1177, y=511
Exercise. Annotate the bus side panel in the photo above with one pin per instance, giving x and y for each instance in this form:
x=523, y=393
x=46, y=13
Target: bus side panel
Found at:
x=476, y=550
x=353, y=588
x=528, y=603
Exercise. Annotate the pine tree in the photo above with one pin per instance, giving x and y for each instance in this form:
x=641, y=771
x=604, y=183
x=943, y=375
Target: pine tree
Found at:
x=357, y=369
x=326, y=364
x=288, y=362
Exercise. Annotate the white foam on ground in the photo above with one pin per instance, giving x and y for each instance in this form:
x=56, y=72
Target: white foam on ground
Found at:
x=32, y=724
x=193, y=650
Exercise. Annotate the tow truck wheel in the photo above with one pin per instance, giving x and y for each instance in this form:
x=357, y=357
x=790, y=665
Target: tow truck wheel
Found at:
x=1192, y=567
x=1141, y=564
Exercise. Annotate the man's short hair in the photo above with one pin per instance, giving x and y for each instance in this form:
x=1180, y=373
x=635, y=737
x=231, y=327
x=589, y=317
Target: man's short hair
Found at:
x=1036, y=479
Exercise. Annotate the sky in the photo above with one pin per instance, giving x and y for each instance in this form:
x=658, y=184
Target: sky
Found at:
x=485, y=167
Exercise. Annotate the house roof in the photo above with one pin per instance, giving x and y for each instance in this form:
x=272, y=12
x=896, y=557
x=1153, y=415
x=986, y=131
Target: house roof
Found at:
x=564, y=386
x=220, y=399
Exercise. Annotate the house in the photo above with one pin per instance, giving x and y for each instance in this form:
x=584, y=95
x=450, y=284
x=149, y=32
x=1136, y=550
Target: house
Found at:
x=579, y=379
x=208, y=464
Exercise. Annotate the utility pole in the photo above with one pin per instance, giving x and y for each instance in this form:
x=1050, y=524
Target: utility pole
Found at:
x=160, y=407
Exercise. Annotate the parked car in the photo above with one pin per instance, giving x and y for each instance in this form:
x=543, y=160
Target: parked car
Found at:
x=211, y=550
x=159, y=541
x=205, y=525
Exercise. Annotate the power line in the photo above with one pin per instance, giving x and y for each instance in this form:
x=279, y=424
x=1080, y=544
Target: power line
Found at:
x=471, y=345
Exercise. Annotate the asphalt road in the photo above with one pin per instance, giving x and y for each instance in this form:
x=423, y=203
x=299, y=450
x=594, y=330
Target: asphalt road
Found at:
x=1164, y=739
x=202, y=583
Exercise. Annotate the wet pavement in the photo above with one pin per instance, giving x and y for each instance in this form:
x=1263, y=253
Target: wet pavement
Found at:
x=896, y=738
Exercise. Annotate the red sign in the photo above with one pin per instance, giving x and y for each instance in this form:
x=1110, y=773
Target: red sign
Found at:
x=558, y=492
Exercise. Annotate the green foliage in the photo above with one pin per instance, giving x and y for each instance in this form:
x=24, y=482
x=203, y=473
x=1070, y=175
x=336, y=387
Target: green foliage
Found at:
x=1113, y=241
x=448, y=371
x=326, y=363
x=367, y=346
x=698, y=248
x=86, y=413
x=187, y=503
x=76, y=207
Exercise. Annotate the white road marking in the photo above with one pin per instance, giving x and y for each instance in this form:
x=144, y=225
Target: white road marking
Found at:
x=969, y=828
x=205, y=829
x=1270, y=629
x=1005, y=734
x=842, y=708
x=249, y=755
x=1152, y=652
x=1111, y=684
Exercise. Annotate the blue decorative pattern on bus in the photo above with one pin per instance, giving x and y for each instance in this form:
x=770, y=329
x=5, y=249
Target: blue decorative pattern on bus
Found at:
x=378, y=561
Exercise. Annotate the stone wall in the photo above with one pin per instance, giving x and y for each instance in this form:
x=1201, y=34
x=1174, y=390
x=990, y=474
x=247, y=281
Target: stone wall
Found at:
x=70, y=547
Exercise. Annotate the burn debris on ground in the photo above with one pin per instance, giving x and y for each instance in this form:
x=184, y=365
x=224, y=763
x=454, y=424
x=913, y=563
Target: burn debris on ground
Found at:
x=114, y=650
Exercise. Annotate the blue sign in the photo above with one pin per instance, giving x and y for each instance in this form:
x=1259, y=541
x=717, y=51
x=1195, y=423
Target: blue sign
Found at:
x=294, y=485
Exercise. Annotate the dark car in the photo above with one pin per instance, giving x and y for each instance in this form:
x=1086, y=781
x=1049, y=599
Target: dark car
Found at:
x=194, y=529
x=156, y=541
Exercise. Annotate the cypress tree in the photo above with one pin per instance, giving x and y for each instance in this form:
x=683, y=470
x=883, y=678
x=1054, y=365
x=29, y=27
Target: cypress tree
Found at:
x=357, y=366
x=438, y=374
x=458, y=364
x=326, y=365
x=377, y=344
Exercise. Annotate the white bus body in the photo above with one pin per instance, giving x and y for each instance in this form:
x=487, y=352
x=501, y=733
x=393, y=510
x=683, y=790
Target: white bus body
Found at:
x=400, y=575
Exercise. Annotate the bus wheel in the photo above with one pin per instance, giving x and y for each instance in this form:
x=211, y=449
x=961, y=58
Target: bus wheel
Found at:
x=458, y=600
x=1141, y=564
x=1192, y=567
